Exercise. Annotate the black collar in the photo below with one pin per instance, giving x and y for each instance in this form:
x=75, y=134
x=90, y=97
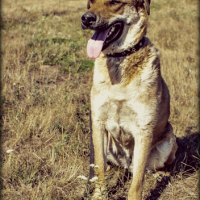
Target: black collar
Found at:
x=130, y=51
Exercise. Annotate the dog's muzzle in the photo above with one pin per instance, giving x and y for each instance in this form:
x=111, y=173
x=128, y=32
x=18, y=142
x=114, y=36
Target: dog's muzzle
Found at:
x=88, y=20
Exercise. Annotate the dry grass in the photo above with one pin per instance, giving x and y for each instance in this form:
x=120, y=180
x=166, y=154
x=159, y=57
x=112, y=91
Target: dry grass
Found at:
x=46, y=81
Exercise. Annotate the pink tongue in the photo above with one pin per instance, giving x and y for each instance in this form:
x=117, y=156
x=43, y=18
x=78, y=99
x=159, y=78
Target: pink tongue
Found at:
x=95, y=44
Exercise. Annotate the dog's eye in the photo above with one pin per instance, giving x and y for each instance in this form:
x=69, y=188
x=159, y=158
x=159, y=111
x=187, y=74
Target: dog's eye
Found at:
x=92, y=1
x=114, y=2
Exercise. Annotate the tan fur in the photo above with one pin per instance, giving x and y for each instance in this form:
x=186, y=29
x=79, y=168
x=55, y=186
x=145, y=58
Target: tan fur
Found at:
x=129, y=101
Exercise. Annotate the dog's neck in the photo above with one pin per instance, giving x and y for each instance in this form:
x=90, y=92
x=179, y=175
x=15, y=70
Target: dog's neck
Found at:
x=130, y=50
x=124, y=68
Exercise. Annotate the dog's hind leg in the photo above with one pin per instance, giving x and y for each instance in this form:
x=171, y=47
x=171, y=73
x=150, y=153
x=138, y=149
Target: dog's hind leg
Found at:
x=163, y=153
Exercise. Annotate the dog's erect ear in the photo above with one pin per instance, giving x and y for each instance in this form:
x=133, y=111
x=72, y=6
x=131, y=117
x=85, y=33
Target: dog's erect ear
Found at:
x=88, y=4
x=147, y=5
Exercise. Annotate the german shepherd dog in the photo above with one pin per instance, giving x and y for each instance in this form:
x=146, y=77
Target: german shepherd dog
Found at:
x=130, y=101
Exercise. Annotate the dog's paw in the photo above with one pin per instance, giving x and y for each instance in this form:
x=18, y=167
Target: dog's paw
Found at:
x=96, y=198
x=98, y=195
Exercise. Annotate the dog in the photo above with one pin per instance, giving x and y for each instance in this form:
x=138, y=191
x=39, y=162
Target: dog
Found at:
x=130, y=101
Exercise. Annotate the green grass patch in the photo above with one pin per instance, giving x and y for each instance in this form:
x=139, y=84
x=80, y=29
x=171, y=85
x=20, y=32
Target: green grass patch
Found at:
x=59, y=51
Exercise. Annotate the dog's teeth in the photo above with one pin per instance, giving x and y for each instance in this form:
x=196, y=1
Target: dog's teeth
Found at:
x=111, y=31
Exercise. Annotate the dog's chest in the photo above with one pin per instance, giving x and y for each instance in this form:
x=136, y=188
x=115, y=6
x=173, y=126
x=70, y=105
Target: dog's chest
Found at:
x=121, y=121
x=115, y=70
x=117, y=104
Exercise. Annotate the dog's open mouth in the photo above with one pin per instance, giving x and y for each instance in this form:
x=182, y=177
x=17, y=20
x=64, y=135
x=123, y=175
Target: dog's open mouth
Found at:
x=102, y=39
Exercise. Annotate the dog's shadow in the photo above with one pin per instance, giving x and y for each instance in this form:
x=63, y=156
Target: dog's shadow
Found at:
x=187, y=160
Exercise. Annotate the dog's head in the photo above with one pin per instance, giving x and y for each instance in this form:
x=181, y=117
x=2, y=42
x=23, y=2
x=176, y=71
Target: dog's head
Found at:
x=118, y=24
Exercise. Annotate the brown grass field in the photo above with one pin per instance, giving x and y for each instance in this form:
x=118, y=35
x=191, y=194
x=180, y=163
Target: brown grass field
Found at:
x=46, y=80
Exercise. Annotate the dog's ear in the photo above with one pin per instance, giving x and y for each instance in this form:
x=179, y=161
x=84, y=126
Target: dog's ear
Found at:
x=147, y=5
x=88, y=4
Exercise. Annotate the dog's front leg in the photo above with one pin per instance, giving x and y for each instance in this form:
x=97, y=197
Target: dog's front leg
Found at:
x=99, y=135
x=140, y=155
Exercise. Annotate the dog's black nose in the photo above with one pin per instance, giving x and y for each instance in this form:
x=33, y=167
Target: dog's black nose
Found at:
x=88, y=19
